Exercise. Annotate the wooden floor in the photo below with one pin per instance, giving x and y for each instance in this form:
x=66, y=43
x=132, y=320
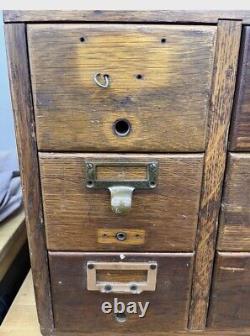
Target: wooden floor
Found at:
x=21, y=319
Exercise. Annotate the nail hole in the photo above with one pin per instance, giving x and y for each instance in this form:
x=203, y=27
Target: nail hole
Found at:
x=163, y=40
x=120, y=317
x=82, y=39
x=121, y=236
x=122, y=127
x=139, y=76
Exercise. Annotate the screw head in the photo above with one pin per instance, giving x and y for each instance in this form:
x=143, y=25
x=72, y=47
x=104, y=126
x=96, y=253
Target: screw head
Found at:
x=133, y=287
x=91, y=266
x=153, y=267
x=107, y=288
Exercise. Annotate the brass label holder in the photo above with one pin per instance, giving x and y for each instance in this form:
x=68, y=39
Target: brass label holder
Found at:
x=121, y=192
x=131, y=287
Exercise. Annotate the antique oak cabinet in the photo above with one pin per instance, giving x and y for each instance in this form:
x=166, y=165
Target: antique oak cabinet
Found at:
x=133, y=133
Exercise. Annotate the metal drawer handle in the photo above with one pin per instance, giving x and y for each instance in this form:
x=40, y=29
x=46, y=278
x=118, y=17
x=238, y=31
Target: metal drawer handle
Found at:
x=131, y=287
x=121, y=192
x=102, y=80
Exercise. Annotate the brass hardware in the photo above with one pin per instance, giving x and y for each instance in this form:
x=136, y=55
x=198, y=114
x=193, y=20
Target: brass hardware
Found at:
x=121, y=191
x=132, y=287
x=102, y=80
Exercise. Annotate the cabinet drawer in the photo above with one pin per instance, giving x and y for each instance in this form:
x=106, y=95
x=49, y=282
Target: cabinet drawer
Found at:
x=70, y=289
x=234, y=234
x=240, y=132
x=158, y=93
x=81, y=219
x=230, y=300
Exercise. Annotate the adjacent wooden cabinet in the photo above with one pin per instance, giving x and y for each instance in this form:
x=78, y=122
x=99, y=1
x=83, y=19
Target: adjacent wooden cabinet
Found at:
x=133, y=138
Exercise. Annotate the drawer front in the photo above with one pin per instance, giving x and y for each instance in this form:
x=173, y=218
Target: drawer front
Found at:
x=240, y=132
x=230, y=300
x=167, y=303
x=81, y=219
x=234, y=234
x=159, y=86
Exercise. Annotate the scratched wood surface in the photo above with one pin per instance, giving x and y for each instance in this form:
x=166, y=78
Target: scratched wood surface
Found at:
x=230, y=299
x=167, y=215
x=27, y=152
x=234, y=234
x=167, y=107
x=164, y=16
x=240, y=130
x=226, y=58
x=68, y=270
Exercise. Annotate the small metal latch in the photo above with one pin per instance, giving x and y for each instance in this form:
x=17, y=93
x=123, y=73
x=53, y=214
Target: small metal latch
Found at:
x=121, y=191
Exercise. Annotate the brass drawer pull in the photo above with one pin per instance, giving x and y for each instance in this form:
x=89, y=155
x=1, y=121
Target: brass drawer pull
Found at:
x=121, y=191
x=102, y=80
x=130, y=287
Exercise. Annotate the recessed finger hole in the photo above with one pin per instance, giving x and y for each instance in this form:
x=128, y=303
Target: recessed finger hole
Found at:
x=122, y=127
x=163, y=40
x=82, y=39
x=120, y=317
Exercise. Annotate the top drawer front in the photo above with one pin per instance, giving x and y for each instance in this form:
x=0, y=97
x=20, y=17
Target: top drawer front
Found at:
x=240, y=134
x=160, y=78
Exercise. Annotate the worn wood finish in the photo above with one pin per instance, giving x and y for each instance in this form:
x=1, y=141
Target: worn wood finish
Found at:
x=68, y=270
x=240, y=130
x=230, y=299
x=167, y=107
x=167, y=214
x=12, y=238
x=26, y=142
x=227, y=49
x=164, y=16
x=234, y=234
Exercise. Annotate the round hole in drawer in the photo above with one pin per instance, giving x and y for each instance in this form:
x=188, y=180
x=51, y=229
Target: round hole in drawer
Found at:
x=163, y=40
x=122, y=127
x=82, y=39
x=120, y=317
x=139, y=76
x=121, y=236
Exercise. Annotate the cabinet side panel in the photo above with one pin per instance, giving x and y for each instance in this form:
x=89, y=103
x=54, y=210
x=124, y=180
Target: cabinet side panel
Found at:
x=25, y=133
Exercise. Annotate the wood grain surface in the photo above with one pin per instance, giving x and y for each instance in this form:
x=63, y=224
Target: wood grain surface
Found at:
x=234, y=234
x=21, y=320
x=226, y=58
x=27, y=152
x=167, y=214
x=164, y=16
x=240, y=129
x=230, y=299
x=12, y=237
x=167, y=107
x=68, y=276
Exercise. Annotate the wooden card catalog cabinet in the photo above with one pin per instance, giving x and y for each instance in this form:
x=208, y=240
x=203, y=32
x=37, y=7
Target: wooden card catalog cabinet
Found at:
x=130, y=128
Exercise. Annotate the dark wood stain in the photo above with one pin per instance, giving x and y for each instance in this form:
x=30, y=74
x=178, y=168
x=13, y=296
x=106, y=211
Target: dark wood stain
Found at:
x=74, y=214
x=234, y=233
x=226, y=59
x=230, y=299
x=240, y=130
x=168, y=309
x=27, y=152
